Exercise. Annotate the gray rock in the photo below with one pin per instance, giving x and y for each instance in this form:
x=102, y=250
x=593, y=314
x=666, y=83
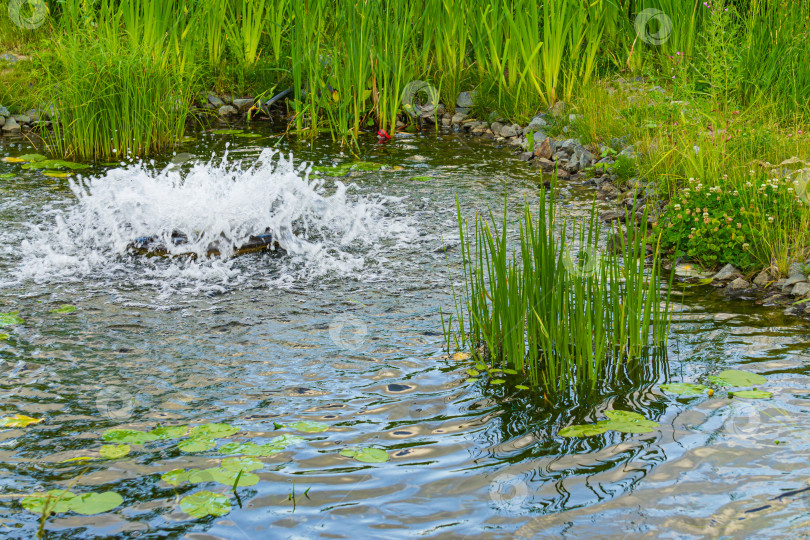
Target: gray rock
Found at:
x=227, y=110
x=215, y=101
x=562, y=174
x=572, y=117
x=570, y=145
x=243, y=104
x=738, y=284
x=11, y=126
x=611, y=215
x=526, y=156
x=21, y=118
x=801, y=289
x=497, y=127
x=546, y=164
x=445, y=121
x=791, y=281
x=560, y=156
x=33, y=114
x=508, y=131
x=726, y=273
x=585, y=158
x=608, y=190
x=8, y=57
x=465, y=99
x=763, y=278
x=2, y=121
x=4, y=111
x=540, y=135
x=538, y=122
x=607, y=160
x=463, y=110
x=658, y=89
x=458, y=118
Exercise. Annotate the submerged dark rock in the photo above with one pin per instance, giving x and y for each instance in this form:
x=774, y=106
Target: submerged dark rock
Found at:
x=152, y=246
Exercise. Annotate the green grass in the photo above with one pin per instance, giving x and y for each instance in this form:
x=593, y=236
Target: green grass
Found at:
x=570, y=320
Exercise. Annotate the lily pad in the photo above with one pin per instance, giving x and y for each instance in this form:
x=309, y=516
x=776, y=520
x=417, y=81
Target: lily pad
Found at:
x=90, y=504
x=752, y=394
x=249, y=135
x=226, y=131
x=64, y=308
x=684, y=389
x=461, y=356
x=114, y=451
x=237, y=464
x=4, y=337
x=32, y=158
x=473, y=373
x=196, y=444
x=223, y=476
x=497, y=381
x=308, y=426
x=7, y=175
x=169, y=432
x=584, y=430
x=55, y=500
x=18, y=420
x=521, y=387
x=213, y=431
x=737, y=378
x=421, y=178
x=8, y=319
x=55, y=164
x=175, y=477
x=510, y=371
x=205, y=503
x=52, y=174
x=130, y=436
x=629, y=422
x=366, y=455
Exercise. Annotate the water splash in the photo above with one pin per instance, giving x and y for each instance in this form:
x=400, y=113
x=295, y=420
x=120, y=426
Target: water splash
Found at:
x=323, y=229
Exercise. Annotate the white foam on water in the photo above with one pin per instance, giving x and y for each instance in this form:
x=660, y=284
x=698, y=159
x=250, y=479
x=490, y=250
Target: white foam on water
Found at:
x=324, y=230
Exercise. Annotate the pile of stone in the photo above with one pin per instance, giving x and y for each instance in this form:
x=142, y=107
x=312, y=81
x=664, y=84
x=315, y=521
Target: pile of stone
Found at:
x=14, y=124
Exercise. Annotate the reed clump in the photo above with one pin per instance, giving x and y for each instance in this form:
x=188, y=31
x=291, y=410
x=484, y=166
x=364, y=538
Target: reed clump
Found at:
x=568, y=318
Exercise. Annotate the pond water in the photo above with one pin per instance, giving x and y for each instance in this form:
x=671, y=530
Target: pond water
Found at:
x=345, y=329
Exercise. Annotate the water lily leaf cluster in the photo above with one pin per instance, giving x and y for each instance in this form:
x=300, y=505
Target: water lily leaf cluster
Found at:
x=621, y=421
x=58, y=501
x=18, y=420
x=366, y=455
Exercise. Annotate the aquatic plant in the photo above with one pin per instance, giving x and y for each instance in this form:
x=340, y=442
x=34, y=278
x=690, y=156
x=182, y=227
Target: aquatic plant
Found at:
x=567, y=321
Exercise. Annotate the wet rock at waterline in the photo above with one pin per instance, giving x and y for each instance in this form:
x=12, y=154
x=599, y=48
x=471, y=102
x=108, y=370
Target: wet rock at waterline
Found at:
x=727, y=273
x=11, y=126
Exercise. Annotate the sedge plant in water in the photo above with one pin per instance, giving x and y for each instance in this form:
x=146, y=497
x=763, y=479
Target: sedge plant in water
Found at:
x=565, y=321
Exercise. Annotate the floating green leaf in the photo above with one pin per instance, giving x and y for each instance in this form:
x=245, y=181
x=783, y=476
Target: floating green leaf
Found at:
x=8, y=319
x=223, y=476
x=366, y=455
x=421, y=178
x=472, y=373
x=196, y=444
x=480, y=367
x=55, y=164
x=169, y=432
x=249, y=135
x=55, y=500
x=521, y=387
x=308, y=426
x=684, y=389
x=114, y=451
x=4, y=337
x=584, y=430
x=236, y=464
x=95, y=503
x=213, y=431
x=510, y=371
x=737, y=378
x=629, y=422
x=64, y=308
x=130, y=436
x=53, y=174
x=497, y=381
x=7, y=175
x=205, y=503
x=19, y=420
x=32, y=158
x=175, y=477
x=752, y=394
